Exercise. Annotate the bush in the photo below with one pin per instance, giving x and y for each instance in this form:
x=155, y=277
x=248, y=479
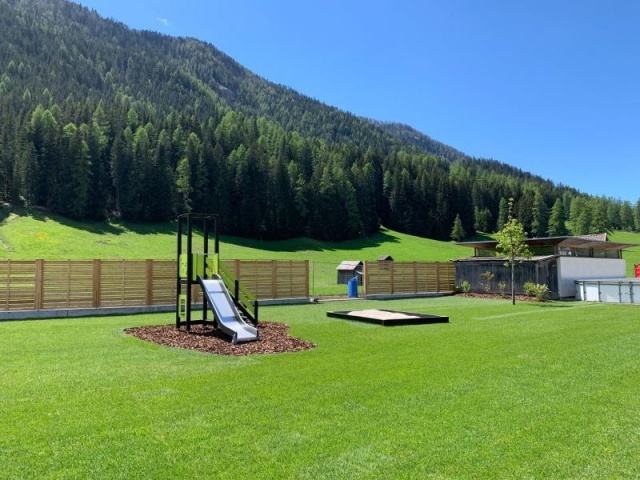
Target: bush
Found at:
x=465, y=287
x=487, y=277
x=502, y=286
x=537, y=290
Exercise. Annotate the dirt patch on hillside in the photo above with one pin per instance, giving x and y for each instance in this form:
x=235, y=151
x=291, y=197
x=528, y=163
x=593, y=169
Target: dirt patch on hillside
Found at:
x=273, y=338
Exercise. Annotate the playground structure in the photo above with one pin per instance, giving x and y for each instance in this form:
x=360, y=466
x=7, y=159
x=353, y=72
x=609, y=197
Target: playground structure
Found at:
x=216, y=281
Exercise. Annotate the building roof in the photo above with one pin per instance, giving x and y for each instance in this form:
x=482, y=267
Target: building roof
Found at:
x=535, y=258
x=598, y=241
x=383, y=258
x=349, y=265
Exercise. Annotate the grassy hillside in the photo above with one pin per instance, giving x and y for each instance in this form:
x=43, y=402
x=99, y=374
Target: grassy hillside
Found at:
x=631, y=255
x=53, y=238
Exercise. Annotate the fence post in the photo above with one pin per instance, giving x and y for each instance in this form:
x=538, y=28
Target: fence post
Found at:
x=97, y=274
x=306, y=277
x=274, y=279
x=365, y=280
x=148, y=270
x=39, y=284
x=391, y=277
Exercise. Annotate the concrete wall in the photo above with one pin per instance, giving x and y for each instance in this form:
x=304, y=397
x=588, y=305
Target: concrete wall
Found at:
x=571, y=269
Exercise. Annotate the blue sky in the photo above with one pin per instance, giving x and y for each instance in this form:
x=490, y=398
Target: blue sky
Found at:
x=551, y=87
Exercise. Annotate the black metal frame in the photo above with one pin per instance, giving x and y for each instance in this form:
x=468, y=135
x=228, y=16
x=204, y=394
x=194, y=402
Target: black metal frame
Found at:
x=189, y=218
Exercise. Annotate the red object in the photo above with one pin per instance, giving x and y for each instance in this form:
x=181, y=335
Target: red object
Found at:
x=637, y=271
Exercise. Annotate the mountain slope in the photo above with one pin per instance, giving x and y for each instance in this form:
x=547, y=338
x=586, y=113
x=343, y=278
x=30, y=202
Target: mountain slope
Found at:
x=98, y=120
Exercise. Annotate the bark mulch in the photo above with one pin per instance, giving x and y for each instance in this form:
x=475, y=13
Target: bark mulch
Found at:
x=273, y=338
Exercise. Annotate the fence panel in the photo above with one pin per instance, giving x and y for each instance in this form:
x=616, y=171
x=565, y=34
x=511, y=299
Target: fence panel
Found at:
x=18, y=285
x=272, y=279
x=163, y=282
x=66, y=284
x=388, y=277
x=122, y=283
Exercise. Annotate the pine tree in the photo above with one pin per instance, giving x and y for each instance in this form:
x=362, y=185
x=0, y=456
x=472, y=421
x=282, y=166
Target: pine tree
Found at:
x=540, y=220
x=626, y=216
x=557, y=226
x=600, y=222
x=457, y=232
x=183, y=186
x=503, y=214
x=580, y=216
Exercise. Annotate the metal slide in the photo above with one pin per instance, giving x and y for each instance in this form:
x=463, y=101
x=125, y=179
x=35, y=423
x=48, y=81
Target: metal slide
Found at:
x=229, y=319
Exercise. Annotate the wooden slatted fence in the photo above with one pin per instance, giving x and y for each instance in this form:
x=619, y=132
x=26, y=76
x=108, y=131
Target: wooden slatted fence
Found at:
x=71, y=284
x=273, y=278
x=388, y=277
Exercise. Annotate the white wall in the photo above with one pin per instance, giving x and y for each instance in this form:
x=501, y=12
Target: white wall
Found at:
x=609, y=291
x=571, y=269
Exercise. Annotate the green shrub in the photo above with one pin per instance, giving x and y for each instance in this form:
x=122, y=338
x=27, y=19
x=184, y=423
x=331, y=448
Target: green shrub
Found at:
x=537, y=290
x=465, y=287
x=486, y=284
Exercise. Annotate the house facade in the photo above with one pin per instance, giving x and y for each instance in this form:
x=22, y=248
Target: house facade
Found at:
x=557, y=262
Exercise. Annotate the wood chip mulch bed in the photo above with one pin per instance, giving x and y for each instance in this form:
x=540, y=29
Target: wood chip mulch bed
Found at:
x=499, y=296
x=273, y=338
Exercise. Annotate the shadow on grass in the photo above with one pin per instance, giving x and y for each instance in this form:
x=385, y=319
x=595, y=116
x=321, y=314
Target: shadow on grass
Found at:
x=310, y=244
x=170, y=228
x=102, y=227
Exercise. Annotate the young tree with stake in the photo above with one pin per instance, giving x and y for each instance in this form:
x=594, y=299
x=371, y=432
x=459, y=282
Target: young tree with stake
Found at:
x=512, y=245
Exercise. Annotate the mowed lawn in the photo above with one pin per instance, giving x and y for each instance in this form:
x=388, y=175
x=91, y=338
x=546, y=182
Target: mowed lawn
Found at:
x=533, y=391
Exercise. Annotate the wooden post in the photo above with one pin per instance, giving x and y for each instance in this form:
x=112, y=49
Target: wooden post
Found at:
x=274, y=279
x=97, y=274
x=39, y=284
x=437, y=265
x=391, y=279
x=148, y=270
x=365, y=280
x=306, y=277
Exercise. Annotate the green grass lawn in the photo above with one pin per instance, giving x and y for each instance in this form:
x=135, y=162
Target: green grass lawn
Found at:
x=533, y=391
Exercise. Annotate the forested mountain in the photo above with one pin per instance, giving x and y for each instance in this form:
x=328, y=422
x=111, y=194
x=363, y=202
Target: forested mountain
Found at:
x=100, y=121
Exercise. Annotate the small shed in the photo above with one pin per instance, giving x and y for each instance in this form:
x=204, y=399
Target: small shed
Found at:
x=385, y=258
x=349, y=269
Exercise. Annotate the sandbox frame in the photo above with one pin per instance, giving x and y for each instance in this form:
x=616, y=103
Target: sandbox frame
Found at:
x=400, y=318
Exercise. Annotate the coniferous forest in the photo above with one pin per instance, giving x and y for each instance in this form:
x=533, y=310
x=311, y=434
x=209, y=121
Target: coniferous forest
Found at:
x=98, y=121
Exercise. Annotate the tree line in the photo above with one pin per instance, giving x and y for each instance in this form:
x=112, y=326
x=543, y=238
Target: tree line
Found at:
x=121, y=160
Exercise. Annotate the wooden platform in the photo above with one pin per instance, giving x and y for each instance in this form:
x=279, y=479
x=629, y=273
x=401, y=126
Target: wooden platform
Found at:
x=388, y=318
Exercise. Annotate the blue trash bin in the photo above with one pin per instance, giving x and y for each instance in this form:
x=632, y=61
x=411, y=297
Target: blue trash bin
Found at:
x=352, y=288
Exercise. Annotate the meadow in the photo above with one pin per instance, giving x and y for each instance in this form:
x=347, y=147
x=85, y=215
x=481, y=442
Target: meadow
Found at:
x=539, y=390
x=52, y=237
